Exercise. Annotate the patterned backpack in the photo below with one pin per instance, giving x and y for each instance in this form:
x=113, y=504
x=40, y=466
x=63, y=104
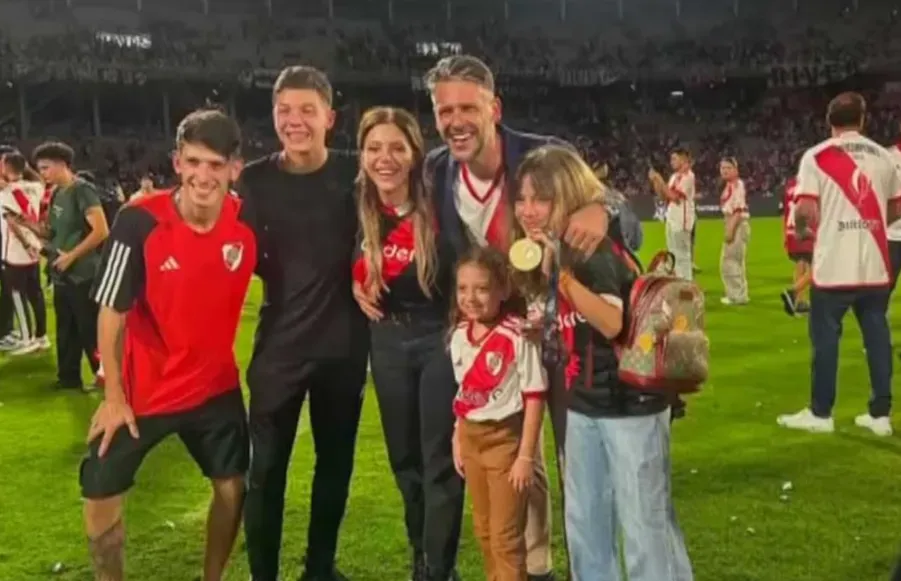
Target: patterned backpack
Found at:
x=663, y=347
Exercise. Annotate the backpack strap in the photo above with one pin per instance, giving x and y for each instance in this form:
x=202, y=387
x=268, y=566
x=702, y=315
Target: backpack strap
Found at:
x=665, y=258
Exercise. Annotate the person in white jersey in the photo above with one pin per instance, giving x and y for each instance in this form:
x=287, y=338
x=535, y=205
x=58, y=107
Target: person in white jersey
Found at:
x=734, y=205
x=894, y=229
x=20, y=254
x=850, y=187
x=147, y=187
x=679, y=194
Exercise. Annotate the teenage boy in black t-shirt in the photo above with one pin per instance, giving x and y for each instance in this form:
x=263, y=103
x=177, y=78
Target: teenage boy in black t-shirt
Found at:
x=311, y=339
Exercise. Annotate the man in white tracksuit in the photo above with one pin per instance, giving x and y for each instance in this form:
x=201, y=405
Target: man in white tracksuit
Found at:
x=679, y=194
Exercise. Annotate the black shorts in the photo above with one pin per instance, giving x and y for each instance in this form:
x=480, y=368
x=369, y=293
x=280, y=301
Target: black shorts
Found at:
x=801, y=257
x=215, y=435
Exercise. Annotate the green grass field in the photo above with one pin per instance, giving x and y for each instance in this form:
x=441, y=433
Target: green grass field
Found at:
x=839, y=522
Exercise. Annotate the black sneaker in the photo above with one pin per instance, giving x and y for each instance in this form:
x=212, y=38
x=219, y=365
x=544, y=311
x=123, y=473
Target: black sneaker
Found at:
x=549, y=576
x=65, y=385
x=788, y=302
x=334, y=575
x=802, y=308
x=433, y=576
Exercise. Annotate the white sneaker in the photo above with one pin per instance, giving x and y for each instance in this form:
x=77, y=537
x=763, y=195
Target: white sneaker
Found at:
x=879, y=426
x=25, y=348
x=44, y=343
x=733, y=302
x=9, y=343
x=805, y=420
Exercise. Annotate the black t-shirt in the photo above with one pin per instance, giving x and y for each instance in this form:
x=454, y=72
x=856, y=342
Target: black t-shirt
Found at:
x=399, y=261
x=305, y=226
x=596, y=391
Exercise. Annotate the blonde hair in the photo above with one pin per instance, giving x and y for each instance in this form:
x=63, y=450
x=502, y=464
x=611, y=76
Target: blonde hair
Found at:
x=369, y=211
x=558, y=175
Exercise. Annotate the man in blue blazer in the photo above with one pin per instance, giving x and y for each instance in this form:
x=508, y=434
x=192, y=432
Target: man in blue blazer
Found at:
x=470, y=176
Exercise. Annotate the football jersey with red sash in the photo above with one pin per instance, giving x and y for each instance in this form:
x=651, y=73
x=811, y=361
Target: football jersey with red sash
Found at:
x=398, y=254
x=793, y=244
x=496, y=372
x=22, y=198
x=183, y=292
x=852, y=179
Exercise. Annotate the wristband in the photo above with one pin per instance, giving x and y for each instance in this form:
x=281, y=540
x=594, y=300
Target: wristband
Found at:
x=526, y=458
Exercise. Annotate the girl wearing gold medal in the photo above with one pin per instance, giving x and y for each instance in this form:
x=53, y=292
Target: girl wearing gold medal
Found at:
x=616, y=469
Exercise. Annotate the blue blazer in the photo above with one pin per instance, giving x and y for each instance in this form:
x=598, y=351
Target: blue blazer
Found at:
x=442, y=174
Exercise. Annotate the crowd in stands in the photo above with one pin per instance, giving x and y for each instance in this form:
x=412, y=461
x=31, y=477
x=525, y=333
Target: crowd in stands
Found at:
x=619, y=120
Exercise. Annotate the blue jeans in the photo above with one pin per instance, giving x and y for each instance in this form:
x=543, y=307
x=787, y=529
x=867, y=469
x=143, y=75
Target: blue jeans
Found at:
x=618, y=477
x=827, y=310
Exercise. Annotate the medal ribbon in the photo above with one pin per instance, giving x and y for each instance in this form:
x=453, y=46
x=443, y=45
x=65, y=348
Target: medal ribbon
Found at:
x=551, y=345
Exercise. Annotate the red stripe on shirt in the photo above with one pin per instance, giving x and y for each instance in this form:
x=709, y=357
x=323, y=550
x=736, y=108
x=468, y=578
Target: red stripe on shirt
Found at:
x=858, y=190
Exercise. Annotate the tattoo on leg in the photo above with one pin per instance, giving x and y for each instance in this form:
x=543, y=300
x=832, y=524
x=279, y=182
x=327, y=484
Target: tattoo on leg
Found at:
x=108, y=553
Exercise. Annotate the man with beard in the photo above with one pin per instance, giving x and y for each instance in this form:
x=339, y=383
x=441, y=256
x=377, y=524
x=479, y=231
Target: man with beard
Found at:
x=312, y=338
x=472, y=175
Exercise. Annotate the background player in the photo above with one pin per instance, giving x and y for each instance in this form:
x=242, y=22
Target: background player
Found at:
x=168, y=354
x=851, y=188
x=799, y=246
x=20, y=200
x=679, y=194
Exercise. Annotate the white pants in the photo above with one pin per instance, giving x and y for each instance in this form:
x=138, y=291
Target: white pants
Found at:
x=678, y=242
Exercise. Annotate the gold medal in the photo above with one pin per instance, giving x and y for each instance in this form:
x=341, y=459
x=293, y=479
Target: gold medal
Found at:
x=525, y=255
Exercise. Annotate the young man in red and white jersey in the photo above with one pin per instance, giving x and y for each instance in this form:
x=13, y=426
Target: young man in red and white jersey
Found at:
x=850, y=187
x=21, y=199
x=679, y=194
x=799, y=246
x=171, y=288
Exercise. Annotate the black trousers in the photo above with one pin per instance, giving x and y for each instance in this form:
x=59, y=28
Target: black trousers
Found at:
x=6, y=305
x=76, y=330
x=415, y=386
x=335, y=389
x=28, y=299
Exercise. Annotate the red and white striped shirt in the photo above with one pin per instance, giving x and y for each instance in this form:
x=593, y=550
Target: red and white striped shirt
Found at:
x=680, y=213
x=22, y=198
x=734, y=199
x=496, y=372
x=852, y=179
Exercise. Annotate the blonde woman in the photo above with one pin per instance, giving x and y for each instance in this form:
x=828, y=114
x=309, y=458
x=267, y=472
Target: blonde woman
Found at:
x=616, y=473
x=402, y=281
x=734, y=205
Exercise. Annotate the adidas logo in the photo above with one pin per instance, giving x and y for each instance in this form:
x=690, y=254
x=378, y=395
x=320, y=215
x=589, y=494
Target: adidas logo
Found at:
x=169, y=265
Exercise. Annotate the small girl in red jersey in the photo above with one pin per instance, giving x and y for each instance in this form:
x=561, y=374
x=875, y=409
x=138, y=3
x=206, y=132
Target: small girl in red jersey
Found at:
x=499, y=409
